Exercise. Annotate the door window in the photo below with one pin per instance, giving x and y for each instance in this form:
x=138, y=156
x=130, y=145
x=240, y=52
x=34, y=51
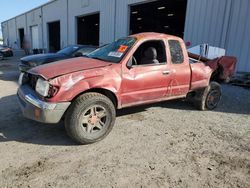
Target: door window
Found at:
x=150, y=53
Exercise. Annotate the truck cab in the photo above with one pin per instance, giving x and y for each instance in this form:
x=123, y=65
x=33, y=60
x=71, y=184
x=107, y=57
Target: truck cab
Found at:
x=156, y=68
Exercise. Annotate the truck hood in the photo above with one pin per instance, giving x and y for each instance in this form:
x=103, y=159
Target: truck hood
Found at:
x=59, y=68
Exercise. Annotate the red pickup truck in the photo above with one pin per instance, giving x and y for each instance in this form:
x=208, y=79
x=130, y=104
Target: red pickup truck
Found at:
x=140, y=69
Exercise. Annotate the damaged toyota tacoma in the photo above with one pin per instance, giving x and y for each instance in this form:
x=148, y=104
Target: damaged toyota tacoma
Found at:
x=140, y=69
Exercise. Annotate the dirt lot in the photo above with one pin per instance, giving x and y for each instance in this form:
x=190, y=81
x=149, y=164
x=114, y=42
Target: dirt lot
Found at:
x=164, y=145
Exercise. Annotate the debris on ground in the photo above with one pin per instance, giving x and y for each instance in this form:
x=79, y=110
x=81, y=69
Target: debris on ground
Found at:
x=241, y=80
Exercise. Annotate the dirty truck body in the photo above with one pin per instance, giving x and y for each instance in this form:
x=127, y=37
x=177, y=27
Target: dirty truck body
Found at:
x=140, y=69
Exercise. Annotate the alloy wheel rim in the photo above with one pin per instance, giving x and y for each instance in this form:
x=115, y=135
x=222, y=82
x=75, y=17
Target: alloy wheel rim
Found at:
x=213, y=99
x=94, y=119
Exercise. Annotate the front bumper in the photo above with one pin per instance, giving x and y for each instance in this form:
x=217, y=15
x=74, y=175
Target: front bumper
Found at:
x=38, y=110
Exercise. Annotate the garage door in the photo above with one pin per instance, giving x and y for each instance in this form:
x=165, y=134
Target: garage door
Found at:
x=54, y=31
x=163, y=16
x=88, y=28
x=34, y=37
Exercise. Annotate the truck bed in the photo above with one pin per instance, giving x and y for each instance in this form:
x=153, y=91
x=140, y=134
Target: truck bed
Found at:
x=223, y=67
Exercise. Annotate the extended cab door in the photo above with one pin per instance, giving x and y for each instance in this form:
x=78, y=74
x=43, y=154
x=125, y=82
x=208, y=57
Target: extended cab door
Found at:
x=180, y=68
x=146, y=76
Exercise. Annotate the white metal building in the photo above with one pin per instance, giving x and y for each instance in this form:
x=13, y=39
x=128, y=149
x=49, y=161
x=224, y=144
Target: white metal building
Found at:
x=58, y=23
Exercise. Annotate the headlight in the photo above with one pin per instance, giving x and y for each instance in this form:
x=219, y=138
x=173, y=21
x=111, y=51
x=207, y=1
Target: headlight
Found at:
x=42, y=87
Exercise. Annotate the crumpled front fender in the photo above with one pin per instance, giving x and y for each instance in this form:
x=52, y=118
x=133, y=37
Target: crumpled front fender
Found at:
x=71, y=85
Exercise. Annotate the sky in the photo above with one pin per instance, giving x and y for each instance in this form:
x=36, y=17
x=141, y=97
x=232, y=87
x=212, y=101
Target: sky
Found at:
x=12, y=8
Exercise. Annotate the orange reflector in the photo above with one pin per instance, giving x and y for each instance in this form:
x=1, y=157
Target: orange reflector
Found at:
x=37, y=113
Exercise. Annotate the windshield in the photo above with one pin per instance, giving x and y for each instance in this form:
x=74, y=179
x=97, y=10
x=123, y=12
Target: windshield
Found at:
x=85, y=51
x=68, y=50
x=113, y=52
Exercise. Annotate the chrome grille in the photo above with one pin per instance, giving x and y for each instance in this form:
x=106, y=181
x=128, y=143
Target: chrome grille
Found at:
x=32, y=79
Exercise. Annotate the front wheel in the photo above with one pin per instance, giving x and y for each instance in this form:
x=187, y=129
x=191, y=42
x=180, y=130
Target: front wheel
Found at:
x=90, y=118
x=209, y=98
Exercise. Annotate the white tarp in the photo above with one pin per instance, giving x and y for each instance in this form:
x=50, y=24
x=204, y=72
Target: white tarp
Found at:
x=207, y=51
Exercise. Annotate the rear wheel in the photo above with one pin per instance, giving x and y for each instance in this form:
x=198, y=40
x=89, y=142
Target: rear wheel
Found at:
x=90, y=118
x=208, y=98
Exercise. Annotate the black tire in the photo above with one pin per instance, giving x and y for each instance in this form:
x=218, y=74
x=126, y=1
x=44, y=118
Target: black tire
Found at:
x=90, y=118
x=208, y=98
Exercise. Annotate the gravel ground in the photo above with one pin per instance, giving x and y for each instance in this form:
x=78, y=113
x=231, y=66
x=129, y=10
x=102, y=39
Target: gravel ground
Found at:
x=163, y=145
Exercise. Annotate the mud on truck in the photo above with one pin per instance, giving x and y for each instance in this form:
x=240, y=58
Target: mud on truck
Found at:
x=85, y=92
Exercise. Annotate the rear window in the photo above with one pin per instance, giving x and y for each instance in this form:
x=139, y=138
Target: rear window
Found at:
x=176, y=52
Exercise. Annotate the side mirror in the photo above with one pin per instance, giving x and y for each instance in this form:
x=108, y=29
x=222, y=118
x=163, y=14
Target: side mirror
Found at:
x=78, y=54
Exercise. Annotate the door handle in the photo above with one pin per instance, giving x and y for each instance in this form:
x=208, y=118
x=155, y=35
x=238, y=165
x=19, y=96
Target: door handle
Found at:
x=166, y=72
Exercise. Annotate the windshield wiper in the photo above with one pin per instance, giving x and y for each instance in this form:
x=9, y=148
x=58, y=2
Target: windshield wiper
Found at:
x=99, y=59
